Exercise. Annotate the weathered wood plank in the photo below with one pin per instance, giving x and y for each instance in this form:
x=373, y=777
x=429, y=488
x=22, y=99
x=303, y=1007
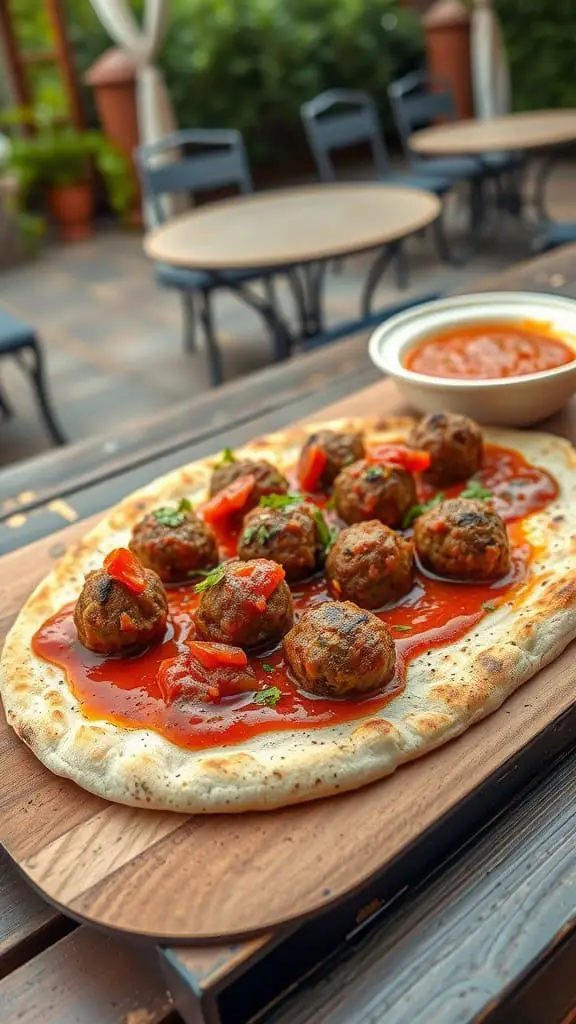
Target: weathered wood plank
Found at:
x=452, y=950
x=27, y=923
x=87, y=978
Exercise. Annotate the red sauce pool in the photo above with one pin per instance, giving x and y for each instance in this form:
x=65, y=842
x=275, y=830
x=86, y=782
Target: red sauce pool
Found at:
x=125, y=690
x=488, y=351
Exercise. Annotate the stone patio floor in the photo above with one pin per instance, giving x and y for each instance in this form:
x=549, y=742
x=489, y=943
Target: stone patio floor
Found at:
x=113, y=338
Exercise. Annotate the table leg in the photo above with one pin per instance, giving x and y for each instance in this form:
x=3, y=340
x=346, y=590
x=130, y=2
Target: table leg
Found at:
x=378, y=268
x=282, y=338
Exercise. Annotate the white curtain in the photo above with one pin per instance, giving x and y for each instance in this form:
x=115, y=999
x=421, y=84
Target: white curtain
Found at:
x=490, y=74
x=155, y=113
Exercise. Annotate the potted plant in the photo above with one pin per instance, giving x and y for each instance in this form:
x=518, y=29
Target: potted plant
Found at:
x=60, y=161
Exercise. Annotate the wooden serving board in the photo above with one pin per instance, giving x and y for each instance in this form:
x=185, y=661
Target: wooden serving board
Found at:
x=180, y=878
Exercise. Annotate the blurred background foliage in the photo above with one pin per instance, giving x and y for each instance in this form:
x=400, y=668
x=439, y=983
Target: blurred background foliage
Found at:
x=250, y=64
x=541, y=46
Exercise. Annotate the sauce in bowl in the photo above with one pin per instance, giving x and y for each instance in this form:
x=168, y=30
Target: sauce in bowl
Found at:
x=489, y=351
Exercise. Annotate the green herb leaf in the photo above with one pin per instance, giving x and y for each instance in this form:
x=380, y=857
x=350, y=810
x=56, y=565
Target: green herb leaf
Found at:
x=322, y=529
x=227, y=456
x=474, y=489
x=417, y=510
x=169, y=516
x=280, y=500
x=331, y=503
x=263, y=534
x=267, y=668
x=402, y=629
x=270, y=696
x=488, y=606
x=374, y=473
x=212, y=578
x=249, y=534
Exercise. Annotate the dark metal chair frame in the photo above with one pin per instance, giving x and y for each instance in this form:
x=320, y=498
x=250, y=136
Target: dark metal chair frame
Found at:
x=20, y=341
x=328, y=130
x=417, y=100
x=219, y=161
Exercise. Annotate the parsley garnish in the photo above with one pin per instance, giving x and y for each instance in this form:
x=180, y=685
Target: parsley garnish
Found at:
x=331, y=503
x=270, y=696
x=326, y=534
x=249, y=534
x=474, y=489
x=261, y=533
x=417, y=510
x=227, y=456
x=488, y=606
x=212, y=578
x=173, y=516
x=279, y=500
x=402, y=629
x=267, y=668
x=374, y=473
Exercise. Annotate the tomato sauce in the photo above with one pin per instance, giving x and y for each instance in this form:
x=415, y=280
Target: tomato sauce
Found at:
x=488, y=351
x=434, y=613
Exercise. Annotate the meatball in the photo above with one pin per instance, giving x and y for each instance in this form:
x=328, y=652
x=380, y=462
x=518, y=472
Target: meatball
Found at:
x=287, y=535
x=174, y=543
x=367, y=490
x=268, y=479
x=463, y=539
x=339, y=449
x=454, y=443
x=111, y=618
x=340, y=650
x=370, y=565
x=248, y=605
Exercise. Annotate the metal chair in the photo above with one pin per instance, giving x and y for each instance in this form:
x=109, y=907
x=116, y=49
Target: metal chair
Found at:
x=417, y=100
x=191, y=162
x=340, y=118
x=553, y=234
x=19, y=340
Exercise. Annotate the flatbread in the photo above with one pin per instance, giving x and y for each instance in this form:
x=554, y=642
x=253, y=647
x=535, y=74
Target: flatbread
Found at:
x=447, y=689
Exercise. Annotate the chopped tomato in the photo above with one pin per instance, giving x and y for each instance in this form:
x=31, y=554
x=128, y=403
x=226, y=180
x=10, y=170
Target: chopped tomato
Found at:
x=311, y=466
x=264, y=577
x=230, y=499
x=210, y=655
x=412, y=459
x=185, y=677
x=125, y=568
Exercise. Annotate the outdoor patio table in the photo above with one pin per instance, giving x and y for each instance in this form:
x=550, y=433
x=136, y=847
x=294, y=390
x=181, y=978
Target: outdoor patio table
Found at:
x=295, y=231
x=486, y=930
x=528, y=132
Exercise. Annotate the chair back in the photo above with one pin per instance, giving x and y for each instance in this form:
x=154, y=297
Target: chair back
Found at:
x=192, y=161
x=338, y=119
x=417, y=100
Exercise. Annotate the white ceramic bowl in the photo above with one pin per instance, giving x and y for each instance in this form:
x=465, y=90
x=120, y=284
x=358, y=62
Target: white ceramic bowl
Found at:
x=510, y=401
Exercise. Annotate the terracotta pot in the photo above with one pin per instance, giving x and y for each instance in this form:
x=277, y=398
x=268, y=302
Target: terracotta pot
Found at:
x=72, y=207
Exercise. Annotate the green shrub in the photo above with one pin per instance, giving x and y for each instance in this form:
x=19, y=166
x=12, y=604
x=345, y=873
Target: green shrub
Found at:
x=250, y=64
x=541, y=47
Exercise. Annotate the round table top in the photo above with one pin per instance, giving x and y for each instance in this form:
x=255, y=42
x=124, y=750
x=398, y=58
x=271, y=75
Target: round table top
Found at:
x=532, y=129
x=287, y=227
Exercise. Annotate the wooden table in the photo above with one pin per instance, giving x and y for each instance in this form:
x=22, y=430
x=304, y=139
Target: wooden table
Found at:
x=294, y=230
x=527, y=132
x=490, y=933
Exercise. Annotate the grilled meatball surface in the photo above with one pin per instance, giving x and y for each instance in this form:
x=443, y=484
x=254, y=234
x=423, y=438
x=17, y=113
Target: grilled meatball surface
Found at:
x=174, y=551
x=367, y=490
x=340, y=449
x=340, y=650
x=370, y=565
x=112, y=619
x=287, y=535
x=268, y=479
x=250, y=605
x=454, y=443
x=463, y=539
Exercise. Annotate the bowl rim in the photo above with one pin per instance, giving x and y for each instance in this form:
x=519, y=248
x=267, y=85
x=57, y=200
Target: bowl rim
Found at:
x=396, y=369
